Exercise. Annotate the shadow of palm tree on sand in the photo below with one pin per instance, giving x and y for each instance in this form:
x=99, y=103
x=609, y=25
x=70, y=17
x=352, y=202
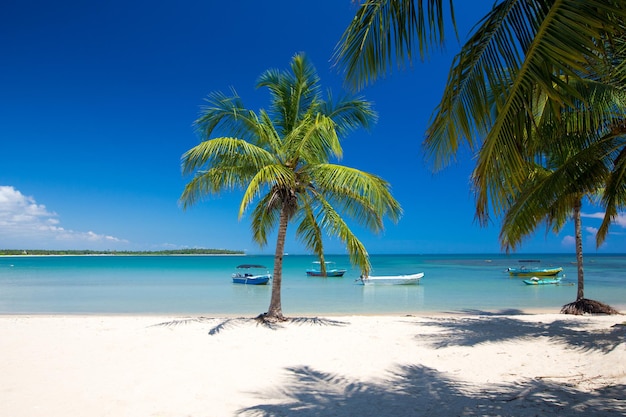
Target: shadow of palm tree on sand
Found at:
x=421, y=391
x=473, y=331
x=220, y=324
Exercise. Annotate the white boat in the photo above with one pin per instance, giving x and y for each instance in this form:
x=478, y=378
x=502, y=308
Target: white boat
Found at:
x=410, y=279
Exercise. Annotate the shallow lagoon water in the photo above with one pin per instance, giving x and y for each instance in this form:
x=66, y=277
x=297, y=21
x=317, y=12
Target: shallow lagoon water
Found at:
x=201, y=285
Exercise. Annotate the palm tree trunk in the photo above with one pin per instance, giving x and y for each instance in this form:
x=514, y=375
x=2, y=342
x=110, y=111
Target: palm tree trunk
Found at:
x=275, y=310
x=582, y=305
x=579, y=250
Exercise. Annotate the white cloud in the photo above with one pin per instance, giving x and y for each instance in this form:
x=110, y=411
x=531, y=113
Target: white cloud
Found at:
x=589, y=239
x=597, y=215
x=26, y=224
x=620, y=220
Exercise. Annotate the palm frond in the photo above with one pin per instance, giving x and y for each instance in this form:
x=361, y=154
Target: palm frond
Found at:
x=220, y=164
x=211, y=182
x=293, y=92
x=384, y=32
x=602, y=107
x=224, y=151
x=264, y=218
x=614, y=196
x=549, y=194
x=349, y=113
x=331, y=221
x=227, y=113
x=309, y=231
x=268, y=137
x=265, y=178
x=312, y=140
x=363, y=197
x=538, y=46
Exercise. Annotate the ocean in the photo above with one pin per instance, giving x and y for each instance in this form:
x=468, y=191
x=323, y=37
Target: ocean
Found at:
x=202, y=285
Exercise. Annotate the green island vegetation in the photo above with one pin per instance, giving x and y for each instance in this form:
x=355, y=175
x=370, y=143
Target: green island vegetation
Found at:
x=13, y=252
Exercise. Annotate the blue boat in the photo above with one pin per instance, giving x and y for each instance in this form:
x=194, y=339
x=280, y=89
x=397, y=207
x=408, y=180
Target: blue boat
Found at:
x=251, y=275
x=542, y=281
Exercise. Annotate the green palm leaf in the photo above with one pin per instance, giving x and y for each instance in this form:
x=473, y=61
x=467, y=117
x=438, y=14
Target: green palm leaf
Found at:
x=522, y=48
x=384, y=31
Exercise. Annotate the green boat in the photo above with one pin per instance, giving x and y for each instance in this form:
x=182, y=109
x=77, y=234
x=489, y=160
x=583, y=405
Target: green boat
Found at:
x=528, y=271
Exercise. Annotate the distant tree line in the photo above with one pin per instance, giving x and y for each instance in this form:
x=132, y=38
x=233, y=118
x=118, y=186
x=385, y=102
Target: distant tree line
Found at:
x=114, y=252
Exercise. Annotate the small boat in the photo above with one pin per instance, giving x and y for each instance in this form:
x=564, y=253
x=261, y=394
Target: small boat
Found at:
x=525, y=271
x=410, y=279
x=252, y=275
x=542, y=281
x=330, y=272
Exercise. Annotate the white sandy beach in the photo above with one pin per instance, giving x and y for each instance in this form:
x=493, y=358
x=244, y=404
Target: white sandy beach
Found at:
x=482, y=365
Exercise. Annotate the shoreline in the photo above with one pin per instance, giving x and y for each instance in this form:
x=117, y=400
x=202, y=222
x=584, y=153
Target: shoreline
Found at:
x=422, y=314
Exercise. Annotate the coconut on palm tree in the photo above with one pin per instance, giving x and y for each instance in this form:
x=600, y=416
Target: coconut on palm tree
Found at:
x=284, y=159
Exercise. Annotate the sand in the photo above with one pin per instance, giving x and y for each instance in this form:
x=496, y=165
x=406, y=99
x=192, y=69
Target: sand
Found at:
x=471, y=365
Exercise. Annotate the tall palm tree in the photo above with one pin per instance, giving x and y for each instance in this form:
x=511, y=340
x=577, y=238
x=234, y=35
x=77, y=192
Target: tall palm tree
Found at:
x=281, y=158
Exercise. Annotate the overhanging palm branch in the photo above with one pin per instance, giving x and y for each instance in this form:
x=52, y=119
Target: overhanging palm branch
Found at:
x=521, y=49
x=614, y=196
x=384, y=32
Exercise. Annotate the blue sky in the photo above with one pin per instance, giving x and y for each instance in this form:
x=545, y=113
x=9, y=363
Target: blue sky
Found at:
x=97, y=105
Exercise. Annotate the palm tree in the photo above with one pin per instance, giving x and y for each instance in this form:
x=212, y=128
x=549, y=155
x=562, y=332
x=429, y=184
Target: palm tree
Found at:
x=557, y=181
x=281, y=158
x=521, y=53
x=520, y=49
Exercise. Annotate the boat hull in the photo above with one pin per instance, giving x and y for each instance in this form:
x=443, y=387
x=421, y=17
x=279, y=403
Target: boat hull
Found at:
x=251, y=280
x=251, y=274
x=329, y=273
x=542, y=281
x=534, y=272
x=412, y=279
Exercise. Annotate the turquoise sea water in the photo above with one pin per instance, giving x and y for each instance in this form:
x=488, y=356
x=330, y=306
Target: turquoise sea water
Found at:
x=201, y=285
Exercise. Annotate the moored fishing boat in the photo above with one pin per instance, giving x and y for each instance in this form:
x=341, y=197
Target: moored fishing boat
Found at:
x=251, y=274
x=525, y=271
x=542, y=281
x=410, y=279
x=332, y=272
